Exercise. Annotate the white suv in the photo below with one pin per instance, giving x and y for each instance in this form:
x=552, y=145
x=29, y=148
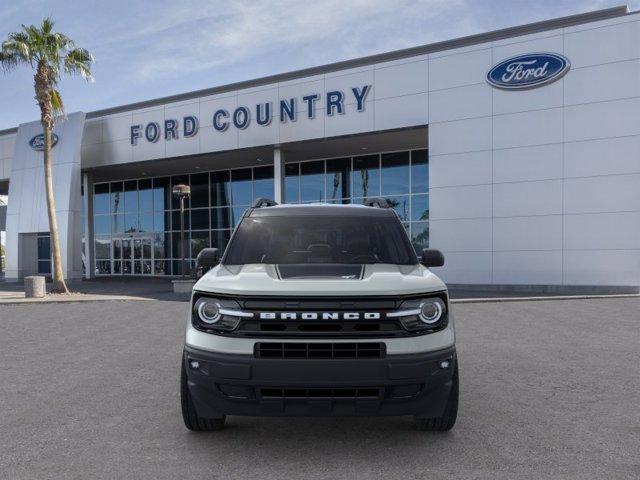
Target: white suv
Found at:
x=319, y=310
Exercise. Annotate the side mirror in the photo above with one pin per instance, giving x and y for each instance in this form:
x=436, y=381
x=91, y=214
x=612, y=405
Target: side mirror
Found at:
x=432, y=258
x=207, y=259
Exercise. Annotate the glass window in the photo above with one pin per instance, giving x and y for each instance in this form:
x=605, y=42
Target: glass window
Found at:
x=292, y=182
x=160, y=242
x=241, y=192
x=175, y=220
x=175, y=245
x=101, y=198
x=116, y=197
x=366, y=176
x=200, y=219
x=117, y=248
x=161, y=221
x=200, y=190
x=199, y=240
x=220, y=218
x=236, y=215
x=220, y=239
x=338, y=181
x=103, y=247
x=320, y=239
x=103, y=267
x=161, y=267
x=44, y=247
x=263, y=182
x=312, y=181
x=44, y=267
x=420, y=171
x=220, y=190
x=400, y=205
x=131, y=196
x=161, y=194
x=145, y=195
x=420, y=236
x=131, y=222
x=179, y=180
x=102, y=224
x=117, y=223
x=420, y=207
x=395, y=173
x=145, y=221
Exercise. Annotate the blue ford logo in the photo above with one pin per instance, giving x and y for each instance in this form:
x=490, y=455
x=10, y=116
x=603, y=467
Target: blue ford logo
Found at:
x=528, y=71
x=37, y=142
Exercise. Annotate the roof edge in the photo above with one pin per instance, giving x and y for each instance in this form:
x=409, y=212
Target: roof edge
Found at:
x=519, y=30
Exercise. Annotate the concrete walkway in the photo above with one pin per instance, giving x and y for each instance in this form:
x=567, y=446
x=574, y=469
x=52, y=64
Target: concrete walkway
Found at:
x=102, y=289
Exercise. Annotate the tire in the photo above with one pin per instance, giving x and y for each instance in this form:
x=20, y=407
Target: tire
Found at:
x=448, y=418
x=191, y=419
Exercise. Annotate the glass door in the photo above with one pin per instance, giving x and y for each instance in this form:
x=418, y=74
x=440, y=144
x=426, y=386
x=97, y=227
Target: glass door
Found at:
x=142, y=256
x=132, y=255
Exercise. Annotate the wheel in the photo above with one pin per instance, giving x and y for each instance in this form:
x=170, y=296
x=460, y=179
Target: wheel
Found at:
x=191, y=419
x=448, y=418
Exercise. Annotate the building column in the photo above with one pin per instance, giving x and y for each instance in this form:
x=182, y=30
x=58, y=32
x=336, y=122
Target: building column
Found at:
x=87, y=204
x=278, y=175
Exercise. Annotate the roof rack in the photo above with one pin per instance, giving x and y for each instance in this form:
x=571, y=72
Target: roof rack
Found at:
x=263, y=202
x=376, y=202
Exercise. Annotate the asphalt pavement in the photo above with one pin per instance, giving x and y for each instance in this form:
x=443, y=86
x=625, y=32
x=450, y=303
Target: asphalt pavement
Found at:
x=549, y=389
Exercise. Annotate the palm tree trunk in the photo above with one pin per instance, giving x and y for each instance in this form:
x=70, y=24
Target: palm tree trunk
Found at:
x=59, y=285
x=46, y=118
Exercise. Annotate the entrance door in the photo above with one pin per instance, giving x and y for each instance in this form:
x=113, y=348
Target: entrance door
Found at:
x=132, y=255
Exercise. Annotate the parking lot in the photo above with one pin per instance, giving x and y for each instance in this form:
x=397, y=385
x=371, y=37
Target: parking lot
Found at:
x=549, y=389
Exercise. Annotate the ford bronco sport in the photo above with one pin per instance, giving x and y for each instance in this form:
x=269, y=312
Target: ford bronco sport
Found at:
x=319, y=309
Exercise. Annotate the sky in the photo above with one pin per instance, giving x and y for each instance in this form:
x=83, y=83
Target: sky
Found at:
x=147, y=49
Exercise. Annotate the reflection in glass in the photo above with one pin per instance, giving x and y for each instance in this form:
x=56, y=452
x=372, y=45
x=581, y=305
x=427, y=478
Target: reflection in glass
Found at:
x=102, y=246
x=200, y=190
x=220, y=218
x=176, y=220
x=131, y=196
x=130, y=222
x=102, y=224
x=161, y=194
x=220, y=189
x=159, y=245
x=177, y=180
x=420, y=236
x=117, y=248
x=292, y=182
x=312, y=181
x=116, y=197
x=126, y=248
x=145, y=195
x=263, y=182
x=420, y=207
x=200, y=219
x=400, y=205
x=366, y=176
x=199, y=240
x=101, y=198
x=338, y=181
x=220, y=239
x=146, y=222
x=103, y=267
x=241, y=192
x=419, y=171
x=395, y=173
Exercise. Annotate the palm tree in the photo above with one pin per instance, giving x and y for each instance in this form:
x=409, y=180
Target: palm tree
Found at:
x=49, y=54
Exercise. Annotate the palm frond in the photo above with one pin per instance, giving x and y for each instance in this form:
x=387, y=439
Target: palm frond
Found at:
x=56, y=102
x=78, y=61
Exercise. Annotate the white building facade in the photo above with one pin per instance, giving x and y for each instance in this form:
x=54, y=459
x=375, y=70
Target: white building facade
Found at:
x=515, y=152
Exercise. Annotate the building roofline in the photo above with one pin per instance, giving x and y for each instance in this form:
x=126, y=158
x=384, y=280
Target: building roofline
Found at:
x=529, y=28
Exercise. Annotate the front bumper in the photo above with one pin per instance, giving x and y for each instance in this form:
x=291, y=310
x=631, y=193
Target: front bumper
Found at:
x=228, y=384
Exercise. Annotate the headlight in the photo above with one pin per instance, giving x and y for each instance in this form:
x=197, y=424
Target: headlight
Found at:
x=216, y=315
x=422, y=314
x=431, y=311
x=208, y=310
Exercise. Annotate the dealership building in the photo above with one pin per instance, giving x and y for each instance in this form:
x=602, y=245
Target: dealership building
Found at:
x=516, y=152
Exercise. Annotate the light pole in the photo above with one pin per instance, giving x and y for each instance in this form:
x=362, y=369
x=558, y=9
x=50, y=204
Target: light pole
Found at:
x=182, y=192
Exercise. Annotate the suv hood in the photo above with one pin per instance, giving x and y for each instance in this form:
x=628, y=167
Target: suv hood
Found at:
x=266, y=279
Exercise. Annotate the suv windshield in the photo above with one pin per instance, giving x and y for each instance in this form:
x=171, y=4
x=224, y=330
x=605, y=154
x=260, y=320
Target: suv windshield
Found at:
x=320, y=239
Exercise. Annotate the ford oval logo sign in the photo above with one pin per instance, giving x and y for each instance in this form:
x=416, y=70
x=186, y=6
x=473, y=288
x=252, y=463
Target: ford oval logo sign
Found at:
x=528, y=71
x=37, y=142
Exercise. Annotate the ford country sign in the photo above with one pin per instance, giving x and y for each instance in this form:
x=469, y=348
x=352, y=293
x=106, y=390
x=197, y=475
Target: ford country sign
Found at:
x=528, y=71
x=37, y=142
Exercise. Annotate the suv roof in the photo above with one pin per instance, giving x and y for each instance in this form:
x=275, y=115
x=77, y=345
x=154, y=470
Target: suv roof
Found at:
x=328, y=209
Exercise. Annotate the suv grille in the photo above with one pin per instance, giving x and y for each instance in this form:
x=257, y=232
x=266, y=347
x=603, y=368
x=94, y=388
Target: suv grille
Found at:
x=367, y=392
x=319, y=350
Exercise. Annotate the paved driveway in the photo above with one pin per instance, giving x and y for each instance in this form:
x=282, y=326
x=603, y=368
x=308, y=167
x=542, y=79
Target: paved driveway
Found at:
x=548, y=390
